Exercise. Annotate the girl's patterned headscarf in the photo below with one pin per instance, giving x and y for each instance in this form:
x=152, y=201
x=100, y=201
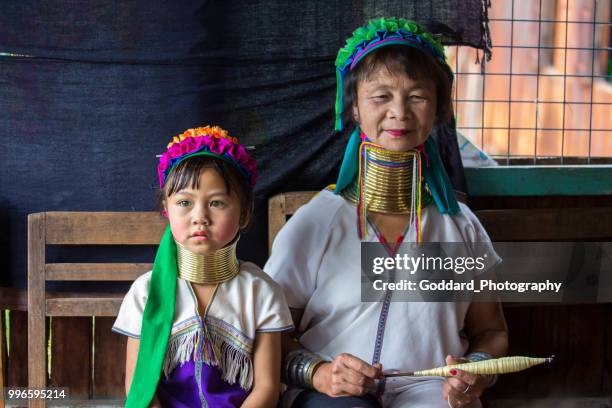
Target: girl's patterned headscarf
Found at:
x=375, y=34
x=158, y=314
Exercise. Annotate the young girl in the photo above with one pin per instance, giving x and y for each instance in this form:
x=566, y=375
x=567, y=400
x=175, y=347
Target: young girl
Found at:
x=203, y=327
x=394, y=86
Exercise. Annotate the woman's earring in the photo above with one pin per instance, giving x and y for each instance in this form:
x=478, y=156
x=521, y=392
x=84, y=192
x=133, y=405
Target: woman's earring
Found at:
x=165, y=213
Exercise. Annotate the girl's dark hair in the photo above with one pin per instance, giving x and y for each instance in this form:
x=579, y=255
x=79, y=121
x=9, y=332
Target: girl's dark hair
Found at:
x=416, y=64
x=187, y=175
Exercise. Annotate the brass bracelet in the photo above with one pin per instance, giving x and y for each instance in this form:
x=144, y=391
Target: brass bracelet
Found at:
x=299, y=368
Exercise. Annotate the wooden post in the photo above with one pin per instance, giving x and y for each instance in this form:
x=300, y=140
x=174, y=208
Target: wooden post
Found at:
x=37, y=371
x=276, y=217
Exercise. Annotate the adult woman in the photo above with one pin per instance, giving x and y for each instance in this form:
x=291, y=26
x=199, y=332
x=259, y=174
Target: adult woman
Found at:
x=394, y=85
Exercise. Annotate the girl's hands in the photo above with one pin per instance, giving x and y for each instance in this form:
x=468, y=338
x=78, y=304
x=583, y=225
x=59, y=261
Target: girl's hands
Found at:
x=463, y=388
x=346, y=375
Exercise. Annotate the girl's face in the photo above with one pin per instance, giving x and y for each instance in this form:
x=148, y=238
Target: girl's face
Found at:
x=395, y=111
x=205, y=219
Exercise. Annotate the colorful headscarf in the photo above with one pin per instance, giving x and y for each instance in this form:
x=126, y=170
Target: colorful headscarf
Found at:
x=375, y=34
x=158, y=314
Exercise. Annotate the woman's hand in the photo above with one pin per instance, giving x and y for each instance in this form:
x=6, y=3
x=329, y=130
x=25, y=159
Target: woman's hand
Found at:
x=463, y=388
x=346, y=375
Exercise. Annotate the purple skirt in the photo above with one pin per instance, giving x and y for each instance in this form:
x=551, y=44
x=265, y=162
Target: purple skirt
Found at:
x=181, y=388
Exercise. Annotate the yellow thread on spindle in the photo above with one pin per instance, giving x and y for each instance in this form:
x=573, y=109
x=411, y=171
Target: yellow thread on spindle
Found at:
x=501, y=365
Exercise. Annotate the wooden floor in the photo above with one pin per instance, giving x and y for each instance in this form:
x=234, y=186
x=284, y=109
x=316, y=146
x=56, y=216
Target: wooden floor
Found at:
x=553, y=403
x=505, y=403
x=76, y=403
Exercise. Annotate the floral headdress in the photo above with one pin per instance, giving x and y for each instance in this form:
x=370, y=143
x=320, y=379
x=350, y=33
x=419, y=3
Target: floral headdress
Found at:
x=378, y=33
x=206, y=141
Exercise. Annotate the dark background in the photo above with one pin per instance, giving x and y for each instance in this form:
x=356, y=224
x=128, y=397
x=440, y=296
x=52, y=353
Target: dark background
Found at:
x=90, y=92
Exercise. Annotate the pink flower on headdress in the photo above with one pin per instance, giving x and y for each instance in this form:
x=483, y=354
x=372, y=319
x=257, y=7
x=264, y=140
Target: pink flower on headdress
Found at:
x=239, y=154
x=223, y=145
x=211, y=139
x=242, y=155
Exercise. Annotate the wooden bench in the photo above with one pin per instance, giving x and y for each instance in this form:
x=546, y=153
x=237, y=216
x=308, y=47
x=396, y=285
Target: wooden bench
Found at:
x=82, y=229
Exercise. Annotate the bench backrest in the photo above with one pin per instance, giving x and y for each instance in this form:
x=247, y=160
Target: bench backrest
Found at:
x=282, y=206
x=538, y=224
x=70, y=229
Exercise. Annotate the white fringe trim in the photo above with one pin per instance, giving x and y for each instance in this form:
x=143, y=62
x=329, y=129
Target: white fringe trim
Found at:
x=180, y=350
x=234, y=362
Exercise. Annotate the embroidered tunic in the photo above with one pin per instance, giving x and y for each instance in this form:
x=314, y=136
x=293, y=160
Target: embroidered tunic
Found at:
x=209, y=358
x=316, y=259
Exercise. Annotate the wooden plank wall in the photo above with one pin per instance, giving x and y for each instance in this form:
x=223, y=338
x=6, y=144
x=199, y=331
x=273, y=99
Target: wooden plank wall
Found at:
x=17, y=367
x=579, y=335
x=607, y=378
x=71, y=354
x=109, y=372
x=73, y=364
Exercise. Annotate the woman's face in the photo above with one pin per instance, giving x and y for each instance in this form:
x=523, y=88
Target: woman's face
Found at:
x=395, y=111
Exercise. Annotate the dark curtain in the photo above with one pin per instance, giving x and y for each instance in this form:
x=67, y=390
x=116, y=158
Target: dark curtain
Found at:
x=92, y=91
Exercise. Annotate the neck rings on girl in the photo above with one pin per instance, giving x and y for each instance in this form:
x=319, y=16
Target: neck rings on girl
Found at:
x=218, y=267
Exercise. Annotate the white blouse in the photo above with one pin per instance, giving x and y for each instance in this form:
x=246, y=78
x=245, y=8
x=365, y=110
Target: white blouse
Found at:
x=248, y=304
x=316, y=259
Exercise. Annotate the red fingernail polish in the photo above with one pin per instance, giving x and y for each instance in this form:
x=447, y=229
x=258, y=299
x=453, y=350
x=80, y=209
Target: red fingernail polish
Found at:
x=453, y=372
